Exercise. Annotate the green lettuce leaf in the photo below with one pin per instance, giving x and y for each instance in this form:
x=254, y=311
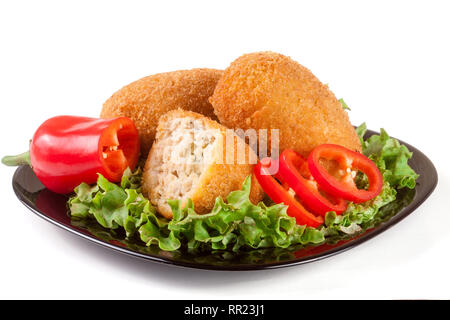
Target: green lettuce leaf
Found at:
x=356, y=216
x=114, y=206
x=344, y=105
x=391, y=158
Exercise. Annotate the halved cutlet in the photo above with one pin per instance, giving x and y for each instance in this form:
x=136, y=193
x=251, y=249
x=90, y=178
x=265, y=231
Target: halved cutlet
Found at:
x=189, y=159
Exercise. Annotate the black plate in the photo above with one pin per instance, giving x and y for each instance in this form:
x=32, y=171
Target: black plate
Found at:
x=52, y=207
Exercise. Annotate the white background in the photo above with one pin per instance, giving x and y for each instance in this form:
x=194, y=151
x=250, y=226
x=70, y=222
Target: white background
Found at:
x=388, y=59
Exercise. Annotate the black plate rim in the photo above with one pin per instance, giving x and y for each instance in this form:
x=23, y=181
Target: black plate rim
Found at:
x=433, y=178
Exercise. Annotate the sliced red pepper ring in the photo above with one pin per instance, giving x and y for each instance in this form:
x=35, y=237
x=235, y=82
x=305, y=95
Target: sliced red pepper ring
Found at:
x=349, y=162
x=280, y=195
x=293, y=170
x=119, y=147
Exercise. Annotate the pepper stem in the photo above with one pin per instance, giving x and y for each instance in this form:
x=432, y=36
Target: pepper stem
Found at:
x=17, y=160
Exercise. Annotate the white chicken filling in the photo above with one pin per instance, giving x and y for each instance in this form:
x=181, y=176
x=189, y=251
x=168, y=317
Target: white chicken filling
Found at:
x=183, y=150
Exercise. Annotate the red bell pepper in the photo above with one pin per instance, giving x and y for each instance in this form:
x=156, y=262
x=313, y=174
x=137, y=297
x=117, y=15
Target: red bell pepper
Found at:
x=68, y=150
x=280, y=195
x=349, y=162
x=293, y=170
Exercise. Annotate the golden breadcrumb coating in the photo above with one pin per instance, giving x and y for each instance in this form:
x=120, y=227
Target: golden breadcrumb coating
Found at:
x=163, y=180
x=147, y=99
x=267, y=90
